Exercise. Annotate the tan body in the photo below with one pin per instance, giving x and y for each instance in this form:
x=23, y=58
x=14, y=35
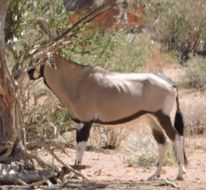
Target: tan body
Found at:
x=94, y=95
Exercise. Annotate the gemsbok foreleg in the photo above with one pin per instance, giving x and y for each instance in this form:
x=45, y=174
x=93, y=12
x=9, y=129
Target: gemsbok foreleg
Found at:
x=82, y=135
x=177, y=139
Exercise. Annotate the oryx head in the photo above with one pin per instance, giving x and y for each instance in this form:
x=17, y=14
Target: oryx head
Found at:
x=37, y=71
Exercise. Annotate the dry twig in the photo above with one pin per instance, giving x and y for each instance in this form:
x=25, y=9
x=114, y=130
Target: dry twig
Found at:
x=49, y=150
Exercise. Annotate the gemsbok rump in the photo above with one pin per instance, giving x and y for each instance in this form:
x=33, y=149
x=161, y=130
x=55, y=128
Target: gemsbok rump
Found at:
x=95, y=95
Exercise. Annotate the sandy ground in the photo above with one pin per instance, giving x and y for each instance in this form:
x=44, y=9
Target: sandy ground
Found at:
x=107, y=170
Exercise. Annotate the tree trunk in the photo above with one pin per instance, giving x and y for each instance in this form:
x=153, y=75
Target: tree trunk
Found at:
x=11, y=146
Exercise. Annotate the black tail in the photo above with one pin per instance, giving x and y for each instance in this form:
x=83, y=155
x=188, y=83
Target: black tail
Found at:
x=179, y=124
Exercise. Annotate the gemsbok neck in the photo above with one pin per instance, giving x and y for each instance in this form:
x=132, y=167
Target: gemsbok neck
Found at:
x=62, y=63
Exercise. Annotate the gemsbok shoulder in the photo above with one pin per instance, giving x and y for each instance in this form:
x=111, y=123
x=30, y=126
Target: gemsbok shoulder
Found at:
x=95, y=95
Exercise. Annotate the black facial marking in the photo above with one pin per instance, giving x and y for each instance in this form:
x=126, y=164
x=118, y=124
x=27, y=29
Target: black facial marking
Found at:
x=41, y=71
x=38, y=59
x=31, y=73
x=3, y=151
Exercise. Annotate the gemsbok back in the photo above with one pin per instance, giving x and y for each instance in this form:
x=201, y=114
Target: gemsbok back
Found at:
x=95, y=95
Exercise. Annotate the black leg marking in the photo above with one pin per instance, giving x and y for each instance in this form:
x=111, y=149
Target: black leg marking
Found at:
x=159, y=136
x=83, y=133
x=166, y=124
x=179, y=123
x=81, y=138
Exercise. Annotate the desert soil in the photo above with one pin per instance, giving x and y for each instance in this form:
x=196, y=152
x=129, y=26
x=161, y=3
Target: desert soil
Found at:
x=107, y=170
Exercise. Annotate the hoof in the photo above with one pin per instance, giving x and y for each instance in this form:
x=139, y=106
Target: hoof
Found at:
x=153, y=177
x=184, y=171
x=75, y=176
x=180, y=178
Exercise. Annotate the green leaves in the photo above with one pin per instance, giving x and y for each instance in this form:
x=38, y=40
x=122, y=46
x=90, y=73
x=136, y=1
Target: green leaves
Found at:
x=114, y=51
x=42, y=21
x=31, y=24
x=195, y=76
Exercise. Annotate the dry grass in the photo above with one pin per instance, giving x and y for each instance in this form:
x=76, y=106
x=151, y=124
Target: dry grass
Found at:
x=178, y=24
x=142, y=149
x=107, y=137
x=195, y=76
x=194, y=109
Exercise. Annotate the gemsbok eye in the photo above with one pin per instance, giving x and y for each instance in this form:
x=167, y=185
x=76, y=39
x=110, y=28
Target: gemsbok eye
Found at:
x=38, y=60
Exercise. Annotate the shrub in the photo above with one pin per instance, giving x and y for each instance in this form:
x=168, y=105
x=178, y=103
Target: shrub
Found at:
x=194, y=113
x=195, y=76
x=180, y=25
x=107, y=137
x=144, y=151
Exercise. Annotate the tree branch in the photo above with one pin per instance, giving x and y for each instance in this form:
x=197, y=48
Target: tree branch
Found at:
x=48, y=148
x=58, y=41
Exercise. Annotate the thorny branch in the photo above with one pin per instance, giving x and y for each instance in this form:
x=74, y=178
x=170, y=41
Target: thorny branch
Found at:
x=48, y=148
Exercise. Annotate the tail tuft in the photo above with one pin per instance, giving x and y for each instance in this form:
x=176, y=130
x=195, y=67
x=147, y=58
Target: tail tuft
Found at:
x=179, y=125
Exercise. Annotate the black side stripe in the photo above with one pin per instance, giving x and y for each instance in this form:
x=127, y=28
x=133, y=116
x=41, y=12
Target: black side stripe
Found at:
x=115, y=122
x=123, y=120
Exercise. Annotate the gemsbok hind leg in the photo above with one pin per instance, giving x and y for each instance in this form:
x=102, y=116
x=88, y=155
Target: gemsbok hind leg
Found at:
x=177, y=139
x=179, y=146
x=161, y=140
x=82, y=135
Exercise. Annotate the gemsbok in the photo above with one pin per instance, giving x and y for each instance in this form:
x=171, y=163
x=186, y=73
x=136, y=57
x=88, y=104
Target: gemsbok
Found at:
x=95, y=95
